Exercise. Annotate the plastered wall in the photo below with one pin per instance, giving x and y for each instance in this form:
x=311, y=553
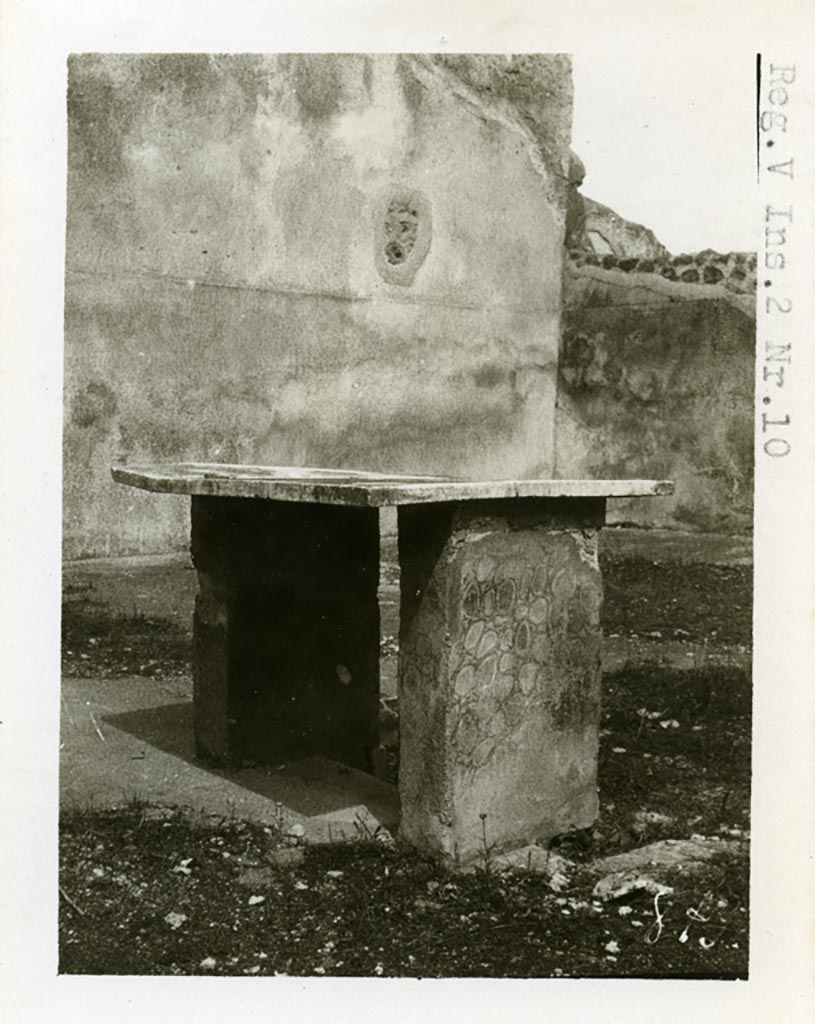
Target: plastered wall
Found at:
x=343, y=261
x=657, y=380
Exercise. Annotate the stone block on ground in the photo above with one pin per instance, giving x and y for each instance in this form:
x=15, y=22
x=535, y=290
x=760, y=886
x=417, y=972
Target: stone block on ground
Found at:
x=647, y=868
x=667, y=853
x=618, y=884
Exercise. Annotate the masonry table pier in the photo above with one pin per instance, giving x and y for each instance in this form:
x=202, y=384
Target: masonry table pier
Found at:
x=499, y=647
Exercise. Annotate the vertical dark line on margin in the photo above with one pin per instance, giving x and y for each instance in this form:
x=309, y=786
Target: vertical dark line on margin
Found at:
x=758, y=115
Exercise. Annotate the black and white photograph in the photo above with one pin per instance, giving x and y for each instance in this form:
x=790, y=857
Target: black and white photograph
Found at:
x=425, y=423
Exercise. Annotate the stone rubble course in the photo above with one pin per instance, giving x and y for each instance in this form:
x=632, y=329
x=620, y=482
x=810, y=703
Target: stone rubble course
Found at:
x=735, y=271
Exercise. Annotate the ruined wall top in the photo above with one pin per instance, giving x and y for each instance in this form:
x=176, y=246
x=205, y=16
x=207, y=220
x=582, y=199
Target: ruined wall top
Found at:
x=537, y=87
x=607, y=233
x=734, y=272
x=597, y=236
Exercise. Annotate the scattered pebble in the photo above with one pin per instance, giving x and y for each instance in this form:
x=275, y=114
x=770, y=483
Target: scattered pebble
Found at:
x=208, y=963
x=651, y=715
x=642, y=819
x=253, y=901
x=175, y=920
x=618, y=750
x=612, y=947
x=334, y=874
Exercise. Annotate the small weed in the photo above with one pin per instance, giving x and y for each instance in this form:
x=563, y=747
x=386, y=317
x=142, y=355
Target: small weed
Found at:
x=485, y=869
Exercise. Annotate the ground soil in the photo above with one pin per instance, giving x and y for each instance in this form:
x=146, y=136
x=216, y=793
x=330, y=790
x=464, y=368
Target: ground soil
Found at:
x=674, y=762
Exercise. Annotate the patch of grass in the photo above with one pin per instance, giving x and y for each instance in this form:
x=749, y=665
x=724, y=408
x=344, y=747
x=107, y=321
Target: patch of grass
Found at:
x=678, y=600
x=103, y=646
x=675, y=745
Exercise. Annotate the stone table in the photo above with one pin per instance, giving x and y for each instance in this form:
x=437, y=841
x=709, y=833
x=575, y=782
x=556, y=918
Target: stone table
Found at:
x=499, y=646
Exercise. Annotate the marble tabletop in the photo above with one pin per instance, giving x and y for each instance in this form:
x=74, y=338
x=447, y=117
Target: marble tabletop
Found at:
x=358, y=487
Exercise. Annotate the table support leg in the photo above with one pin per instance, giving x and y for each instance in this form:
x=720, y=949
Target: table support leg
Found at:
x=286, y=631
x=499, y=678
